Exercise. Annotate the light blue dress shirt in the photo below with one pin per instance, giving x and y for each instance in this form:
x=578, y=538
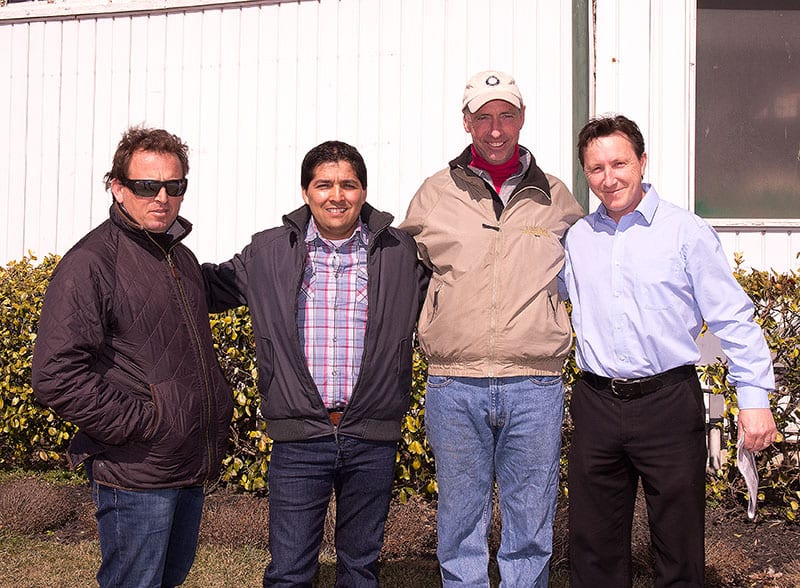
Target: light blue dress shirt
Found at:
x=641, y=289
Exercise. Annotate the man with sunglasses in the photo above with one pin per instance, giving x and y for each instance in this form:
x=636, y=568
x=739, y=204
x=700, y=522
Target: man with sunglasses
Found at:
x=124, y=352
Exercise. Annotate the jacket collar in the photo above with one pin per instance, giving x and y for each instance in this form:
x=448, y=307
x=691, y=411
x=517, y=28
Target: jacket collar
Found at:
x=534, y=177
x=166, y=241
x=376, y=220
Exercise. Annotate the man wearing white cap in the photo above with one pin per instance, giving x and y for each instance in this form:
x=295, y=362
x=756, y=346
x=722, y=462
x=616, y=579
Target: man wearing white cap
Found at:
x=495, y=332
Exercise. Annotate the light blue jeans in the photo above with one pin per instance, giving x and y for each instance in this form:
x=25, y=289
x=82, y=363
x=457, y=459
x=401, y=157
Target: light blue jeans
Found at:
x=487, y=429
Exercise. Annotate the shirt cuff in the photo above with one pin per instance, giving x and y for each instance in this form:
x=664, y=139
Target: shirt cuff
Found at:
x=751, y=397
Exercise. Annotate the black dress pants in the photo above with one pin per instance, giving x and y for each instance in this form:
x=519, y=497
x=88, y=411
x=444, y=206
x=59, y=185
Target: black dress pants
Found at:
x=660, y=439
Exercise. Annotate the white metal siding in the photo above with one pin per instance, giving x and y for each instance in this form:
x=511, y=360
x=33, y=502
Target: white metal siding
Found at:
x=251, y=86
x=643, y=64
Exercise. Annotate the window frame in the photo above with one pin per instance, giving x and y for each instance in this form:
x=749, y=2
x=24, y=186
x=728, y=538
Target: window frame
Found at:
x=722, y=222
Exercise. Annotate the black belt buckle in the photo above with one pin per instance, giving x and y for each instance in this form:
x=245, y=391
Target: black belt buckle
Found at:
x=626, y=390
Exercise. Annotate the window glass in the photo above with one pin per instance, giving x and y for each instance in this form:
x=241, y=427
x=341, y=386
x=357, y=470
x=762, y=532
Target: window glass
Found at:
x=747, y=133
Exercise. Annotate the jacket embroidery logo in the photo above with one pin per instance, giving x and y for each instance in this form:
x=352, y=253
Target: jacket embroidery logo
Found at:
x=535, y=231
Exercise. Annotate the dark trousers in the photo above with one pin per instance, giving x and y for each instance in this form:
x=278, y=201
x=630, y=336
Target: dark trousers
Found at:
x=660, y=439
x=302, y=476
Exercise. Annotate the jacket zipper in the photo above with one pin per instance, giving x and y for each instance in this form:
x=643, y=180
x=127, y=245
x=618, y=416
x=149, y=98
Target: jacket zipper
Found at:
x=198, y=346
x=498, y=236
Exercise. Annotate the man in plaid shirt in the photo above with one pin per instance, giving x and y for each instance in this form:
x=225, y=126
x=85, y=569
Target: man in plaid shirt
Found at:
x=332, y=308
x=334, y=294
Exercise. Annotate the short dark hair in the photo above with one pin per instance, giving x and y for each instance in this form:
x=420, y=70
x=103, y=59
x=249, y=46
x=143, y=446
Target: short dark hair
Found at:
x=144, y=139
x=603, y=126
x=331, y=152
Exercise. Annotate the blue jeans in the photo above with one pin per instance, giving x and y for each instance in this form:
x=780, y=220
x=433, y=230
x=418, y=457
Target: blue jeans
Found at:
x=148, y=538
x=302, y=476
x=503, y=429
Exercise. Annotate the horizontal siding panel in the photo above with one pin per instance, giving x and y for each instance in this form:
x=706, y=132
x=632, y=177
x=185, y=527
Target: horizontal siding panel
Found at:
x=70, y=9
x=251, y=86
x=642, y=68
x=768, y=249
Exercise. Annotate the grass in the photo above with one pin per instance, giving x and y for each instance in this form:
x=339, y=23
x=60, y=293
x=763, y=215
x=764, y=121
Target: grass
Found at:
x=33, y=563
x=48, y=538
x=30, y=563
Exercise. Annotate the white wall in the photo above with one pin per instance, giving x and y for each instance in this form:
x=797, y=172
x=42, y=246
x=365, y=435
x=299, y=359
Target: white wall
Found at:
x=251, y=86
x=644, y=57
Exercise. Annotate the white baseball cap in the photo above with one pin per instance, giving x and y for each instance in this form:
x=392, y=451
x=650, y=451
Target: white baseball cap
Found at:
x=490, y=85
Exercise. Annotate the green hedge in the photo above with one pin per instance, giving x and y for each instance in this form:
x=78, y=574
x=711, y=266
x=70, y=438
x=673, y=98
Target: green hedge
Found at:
x=31, y=437
x=777, y=309
x=34, y=438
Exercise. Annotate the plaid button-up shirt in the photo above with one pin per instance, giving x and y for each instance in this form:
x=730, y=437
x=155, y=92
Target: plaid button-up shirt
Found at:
x=332, y=312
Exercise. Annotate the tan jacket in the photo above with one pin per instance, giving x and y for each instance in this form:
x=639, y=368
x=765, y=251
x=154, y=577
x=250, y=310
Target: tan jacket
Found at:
x=492, y=307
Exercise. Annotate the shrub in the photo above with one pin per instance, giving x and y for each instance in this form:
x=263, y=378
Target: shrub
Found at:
x=777, y=309
x=33, y=505
x=34, y=438
x=246, y=463
x=415, y=472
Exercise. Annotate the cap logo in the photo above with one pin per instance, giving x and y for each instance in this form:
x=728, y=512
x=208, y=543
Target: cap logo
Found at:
x=492, y=81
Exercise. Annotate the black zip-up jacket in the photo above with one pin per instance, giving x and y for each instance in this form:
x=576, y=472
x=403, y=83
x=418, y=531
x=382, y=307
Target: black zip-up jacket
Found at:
x=267, y=276
x=124, y=352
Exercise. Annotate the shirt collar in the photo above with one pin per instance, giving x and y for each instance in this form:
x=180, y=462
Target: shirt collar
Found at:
x=361, y=233
x=645, y=210
x=647, y=207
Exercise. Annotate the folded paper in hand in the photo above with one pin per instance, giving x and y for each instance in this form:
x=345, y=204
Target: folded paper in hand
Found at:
x=746, y=462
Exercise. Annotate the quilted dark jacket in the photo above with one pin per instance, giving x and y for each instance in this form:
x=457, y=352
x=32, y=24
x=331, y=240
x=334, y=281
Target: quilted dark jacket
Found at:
x=267, y=276
x=124, y=352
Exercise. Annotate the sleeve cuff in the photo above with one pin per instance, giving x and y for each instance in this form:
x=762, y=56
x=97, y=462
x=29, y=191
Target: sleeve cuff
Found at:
x=751, y=397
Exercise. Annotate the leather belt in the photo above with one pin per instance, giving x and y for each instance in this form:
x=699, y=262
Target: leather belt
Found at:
x=632, y=388
x=335, y=414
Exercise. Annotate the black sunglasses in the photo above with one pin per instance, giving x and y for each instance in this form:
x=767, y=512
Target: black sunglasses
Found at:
x=149, y=188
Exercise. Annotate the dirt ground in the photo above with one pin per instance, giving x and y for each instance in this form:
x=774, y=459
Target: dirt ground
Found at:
x=739, y=553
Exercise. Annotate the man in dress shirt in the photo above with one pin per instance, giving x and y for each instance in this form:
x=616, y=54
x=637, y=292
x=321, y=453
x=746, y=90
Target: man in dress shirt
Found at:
x=334, y=295
x=643, y=275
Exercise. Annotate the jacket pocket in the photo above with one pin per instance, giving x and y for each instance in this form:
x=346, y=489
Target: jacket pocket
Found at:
x=433, y=307
x=559, y=315
x=178, y=415
x=404, y=358
x=265, y=361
